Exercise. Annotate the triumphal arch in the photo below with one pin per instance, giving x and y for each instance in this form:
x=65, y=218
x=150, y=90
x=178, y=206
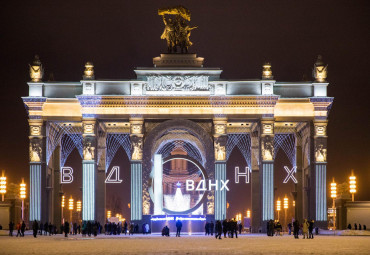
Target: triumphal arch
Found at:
x=177, y=109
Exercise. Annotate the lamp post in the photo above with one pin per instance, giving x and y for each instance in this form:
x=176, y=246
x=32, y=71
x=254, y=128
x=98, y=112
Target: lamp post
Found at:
x=278, y=208
x=333, y=195
x=286, y=203
x=63, y=204
x=352, y=186
x=22, y=194
x=2, y=185
x=109, y=214
x=78, y=208
x=70, y=207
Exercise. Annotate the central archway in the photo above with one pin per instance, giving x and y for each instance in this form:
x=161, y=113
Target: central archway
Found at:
x=193, y=134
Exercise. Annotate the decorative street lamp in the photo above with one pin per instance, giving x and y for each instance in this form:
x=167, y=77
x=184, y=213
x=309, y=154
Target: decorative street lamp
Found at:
x=248, y=213
x=293, y=203
x=109, y=214
x=63, y=204
x=78, y=208
x=352, y=186
x=70, y=207
x=286, y=203
x=278, y=207
x=2, y=185
x=22, y=194
x=333, y=195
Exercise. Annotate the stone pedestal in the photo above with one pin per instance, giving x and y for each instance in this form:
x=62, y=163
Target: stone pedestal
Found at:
x=178, y=60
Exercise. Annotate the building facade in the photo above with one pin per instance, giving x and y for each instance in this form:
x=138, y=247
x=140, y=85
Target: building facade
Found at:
x=182, y=104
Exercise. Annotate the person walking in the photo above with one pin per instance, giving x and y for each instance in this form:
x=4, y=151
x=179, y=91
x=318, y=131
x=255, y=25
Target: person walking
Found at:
x=125, y=227
x=23, y=228
x=178, y=228
x=35, y=228
x=224, y=227
x=211, y=227
x=218, y=229
x=355, y=226
x=11, y=228
x=349, y=226
x=66, y=229
x=19, y=230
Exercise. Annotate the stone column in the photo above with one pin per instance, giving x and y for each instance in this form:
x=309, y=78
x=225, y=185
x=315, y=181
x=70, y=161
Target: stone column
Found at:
x=256, y=186
x=220, y=139
x=136, y=136
x=37, y=155
x=88, y=170
x=100, y=179
x=267, y=167
x=320, y=146
x=57, y=199
x=298, y=187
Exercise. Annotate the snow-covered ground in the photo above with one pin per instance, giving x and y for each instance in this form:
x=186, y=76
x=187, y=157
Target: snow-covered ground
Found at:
x=154, y=244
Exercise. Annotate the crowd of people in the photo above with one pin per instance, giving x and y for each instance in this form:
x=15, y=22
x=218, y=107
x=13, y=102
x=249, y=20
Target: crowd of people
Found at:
x=306, y=228
x=355, y=227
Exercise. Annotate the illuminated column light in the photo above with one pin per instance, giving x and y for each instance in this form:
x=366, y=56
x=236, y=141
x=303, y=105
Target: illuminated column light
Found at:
x=333, y=195
x=109, y=214
x=2, y=185
x=158, y=188
x=352, y=186
x=278, y=207
x=79, y=206
x=286, y=201
x=22, y=195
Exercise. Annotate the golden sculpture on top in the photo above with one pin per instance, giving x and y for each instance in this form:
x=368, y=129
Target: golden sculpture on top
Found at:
x=176, y=31
x=36, y=70
x=320, y=71
x=89, y=71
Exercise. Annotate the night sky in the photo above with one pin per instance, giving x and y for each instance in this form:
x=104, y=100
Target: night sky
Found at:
x=237, y=36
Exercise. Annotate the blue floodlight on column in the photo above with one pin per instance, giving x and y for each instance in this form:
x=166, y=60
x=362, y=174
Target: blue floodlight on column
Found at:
x=220, y=195
x=35, y=191
x=267, y=191
x=136, y=190
x=321, y=211
x=88, y=190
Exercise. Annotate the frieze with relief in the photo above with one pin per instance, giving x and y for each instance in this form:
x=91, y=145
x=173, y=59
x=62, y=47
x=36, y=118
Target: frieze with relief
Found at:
x=177, y=83
x=35, y=150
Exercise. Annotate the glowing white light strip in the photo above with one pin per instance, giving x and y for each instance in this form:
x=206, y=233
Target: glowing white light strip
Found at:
x=174, y=218
x=116, y=179
x=290, y=174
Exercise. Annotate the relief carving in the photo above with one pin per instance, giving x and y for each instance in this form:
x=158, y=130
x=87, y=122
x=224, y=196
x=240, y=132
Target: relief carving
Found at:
x=320, y=130
x=35, y=130
x=137, y=148
x=177, y=83
x=89, y=149
x=267, y=148
x=220, y=129
x=88, y=128
x=136, y=128
x=320, y=153
x=35, y=150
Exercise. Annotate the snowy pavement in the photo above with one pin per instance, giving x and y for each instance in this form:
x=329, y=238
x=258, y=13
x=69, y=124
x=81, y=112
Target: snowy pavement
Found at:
x=139, y=244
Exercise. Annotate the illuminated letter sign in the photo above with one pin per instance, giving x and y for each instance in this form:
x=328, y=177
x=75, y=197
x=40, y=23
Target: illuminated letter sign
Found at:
x=238, y=174
x=116, y=179
x=66, y=175
x=290, y=174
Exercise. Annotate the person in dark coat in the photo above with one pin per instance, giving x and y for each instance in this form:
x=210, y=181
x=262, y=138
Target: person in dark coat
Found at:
x=46, y=227
x=11, y=228
x=240, y=228
x=23, y=228
x=66, y=229
x=178, y=228
x=364, y=227
x=41, y=228
x=125, y=227
x=349, y=226
x=359, y=227
x=206, y=228
x=310, y=229
x=211, y=227
x=290, y=228
x=296, y=229
x=35, y=228
x=50, y=229
x=355, y=226
x=224, y=227
x=218, y=229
